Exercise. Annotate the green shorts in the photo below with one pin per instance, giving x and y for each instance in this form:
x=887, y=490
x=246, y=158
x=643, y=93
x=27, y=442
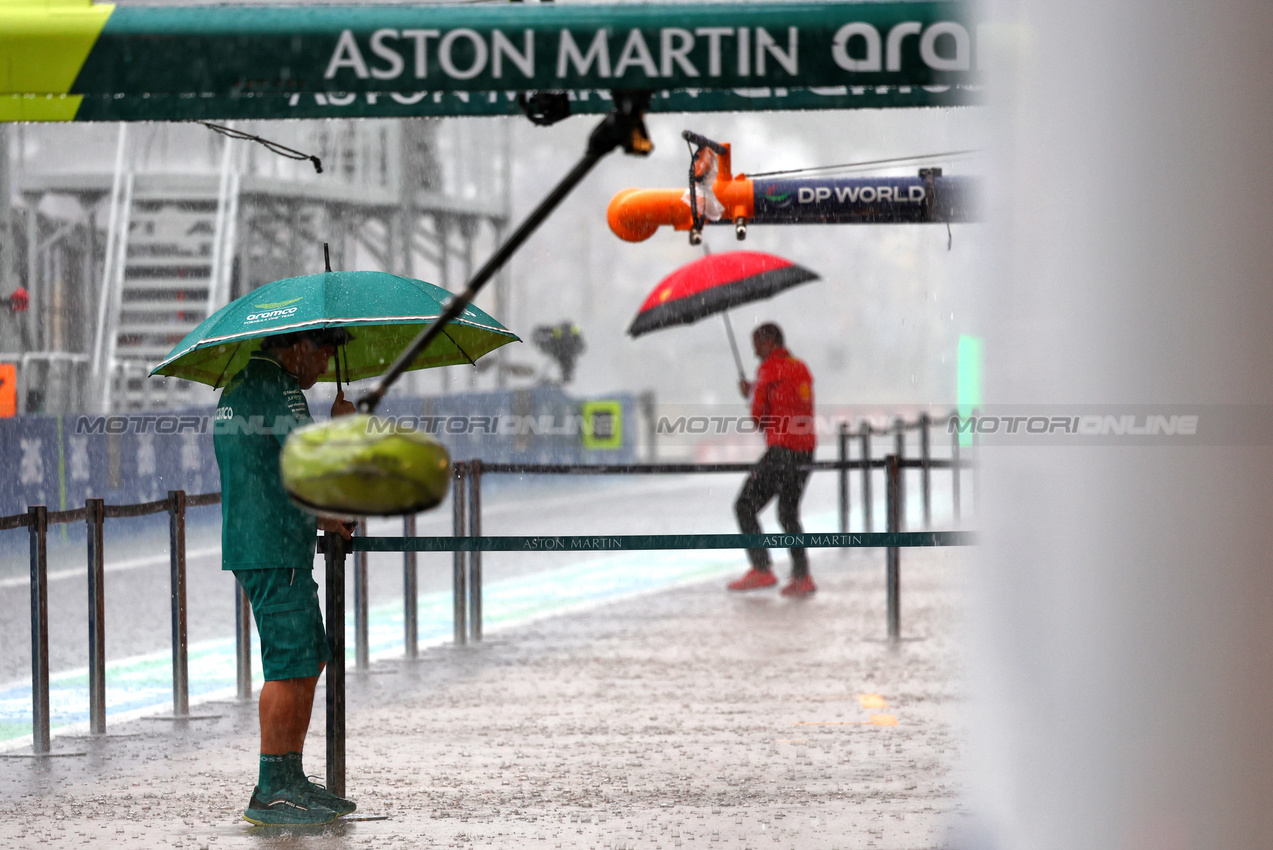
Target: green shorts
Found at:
x=289, y=621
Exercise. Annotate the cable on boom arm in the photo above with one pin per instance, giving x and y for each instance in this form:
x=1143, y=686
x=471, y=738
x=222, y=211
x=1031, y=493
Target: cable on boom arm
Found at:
x=272, y=146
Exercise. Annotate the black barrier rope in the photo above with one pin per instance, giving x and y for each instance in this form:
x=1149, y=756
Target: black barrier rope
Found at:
x=631, y=542
x=694, y=468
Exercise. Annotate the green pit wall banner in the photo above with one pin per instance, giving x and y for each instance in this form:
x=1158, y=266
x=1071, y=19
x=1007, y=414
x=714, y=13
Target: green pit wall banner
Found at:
x=69, y=60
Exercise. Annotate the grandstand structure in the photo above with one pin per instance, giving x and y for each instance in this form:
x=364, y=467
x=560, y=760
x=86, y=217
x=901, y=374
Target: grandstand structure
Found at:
x=126, y=237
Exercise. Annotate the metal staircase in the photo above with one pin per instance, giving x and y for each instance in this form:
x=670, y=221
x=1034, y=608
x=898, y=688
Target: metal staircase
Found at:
x=168, y=267
x=185, y=221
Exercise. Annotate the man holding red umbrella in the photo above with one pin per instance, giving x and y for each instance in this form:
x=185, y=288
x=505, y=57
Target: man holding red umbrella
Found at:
x=782, y=406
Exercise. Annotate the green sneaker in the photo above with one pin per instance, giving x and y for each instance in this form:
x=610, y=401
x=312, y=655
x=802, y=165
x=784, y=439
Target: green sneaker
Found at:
x=288, y=807
x=318, y=795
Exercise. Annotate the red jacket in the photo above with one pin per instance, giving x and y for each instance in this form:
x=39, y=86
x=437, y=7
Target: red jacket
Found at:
x=782, y=402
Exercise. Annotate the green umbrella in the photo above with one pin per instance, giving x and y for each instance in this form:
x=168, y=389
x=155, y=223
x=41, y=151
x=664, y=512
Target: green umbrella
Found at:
x=384, y=313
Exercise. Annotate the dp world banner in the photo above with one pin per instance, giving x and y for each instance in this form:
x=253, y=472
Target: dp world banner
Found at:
x=72, y=60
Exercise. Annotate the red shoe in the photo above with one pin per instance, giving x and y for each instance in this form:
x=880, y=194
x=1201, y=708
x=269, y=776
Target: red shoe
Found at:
x=799, y=587
x=754, y=580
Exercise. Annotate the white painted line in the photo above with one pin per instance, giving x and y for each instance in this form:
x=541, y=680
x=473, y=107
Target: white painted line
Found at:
x=111, y=567
x=380, y=526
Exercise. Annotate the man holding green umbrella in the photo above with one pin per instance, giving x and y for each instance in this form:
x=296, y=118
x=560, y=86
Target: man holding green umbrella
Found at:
x=265, y=349
x=269, y=545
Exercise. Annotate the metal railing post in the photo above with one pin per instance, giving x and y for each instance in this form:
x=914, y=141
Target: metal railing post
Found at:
x=475, y=557
x=362, y=654
x=925, y=456
x=95, y=519
x=410, y=594
x=844, y=478
x=955, y=472
x=242, y=642
x=242, y=634
x=334, y=558
x=39, y=529
x=868, y=508
x=899, y=448
x=976, y=468
x=459, y=599
x=894, y=566
x=647, y=405
x=177, y=563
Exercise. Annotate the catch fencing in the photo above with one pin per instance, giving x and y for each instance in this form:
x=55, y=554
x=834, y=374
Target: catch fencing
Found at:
x=467, y=544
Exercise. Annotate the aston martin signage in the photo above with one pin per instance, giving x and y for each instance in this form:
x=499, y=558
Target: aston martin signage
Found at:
x=69, y=60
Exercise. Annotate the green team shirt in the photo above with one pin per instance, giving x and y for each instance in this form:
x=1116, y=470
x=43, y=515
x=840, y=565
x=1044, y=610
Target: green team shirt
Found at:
x=260, y=527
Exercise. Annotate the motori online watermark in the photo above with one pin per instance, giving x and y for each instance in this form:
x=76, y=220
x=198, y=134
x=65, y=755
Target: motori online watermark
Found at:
x=144, y=423
x=1085, y=425
x=998, y=425
x=513, y=425
x=695, y=424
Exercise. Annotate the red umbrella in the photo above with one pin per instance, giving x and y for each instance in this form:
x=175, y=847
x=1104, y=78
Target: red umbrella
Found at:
x=713, y=284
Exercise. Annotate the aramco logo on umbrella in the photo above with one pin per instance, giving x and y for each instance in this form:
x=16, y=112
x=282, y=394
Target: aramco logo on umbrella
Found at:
x=254, y=318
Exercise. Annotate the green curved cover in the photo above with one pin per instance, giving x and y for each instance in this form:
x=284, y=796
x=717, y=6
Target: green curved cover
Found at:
x=384, y=312
x=360, y=465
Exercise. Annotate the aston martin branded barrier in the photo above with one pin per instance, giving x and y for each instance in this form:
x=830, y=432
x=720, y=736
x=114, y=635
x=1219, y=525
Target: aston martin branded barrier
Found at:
x=71, y=60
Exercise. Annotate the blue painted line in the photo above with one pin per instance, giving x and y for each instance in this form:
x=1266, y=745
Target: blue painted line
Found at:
x=142, y=685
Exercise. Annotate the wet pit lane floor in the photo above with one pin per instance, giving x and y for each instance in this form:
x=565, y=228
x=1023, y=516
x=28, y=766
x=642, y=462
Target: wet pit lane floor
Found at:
x=690, y=717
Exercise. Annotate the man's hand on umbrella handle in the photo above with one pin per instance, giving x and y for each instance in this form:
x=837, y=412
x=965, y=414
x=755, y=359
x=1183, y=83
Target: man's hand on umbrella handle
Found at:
x=335, y=526
x=341, y=407
x=744, y=387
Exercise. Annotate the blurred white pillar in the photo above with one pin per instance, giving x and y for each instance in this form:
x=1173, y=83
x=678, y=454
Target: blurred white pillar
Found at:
x=1124, y=675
